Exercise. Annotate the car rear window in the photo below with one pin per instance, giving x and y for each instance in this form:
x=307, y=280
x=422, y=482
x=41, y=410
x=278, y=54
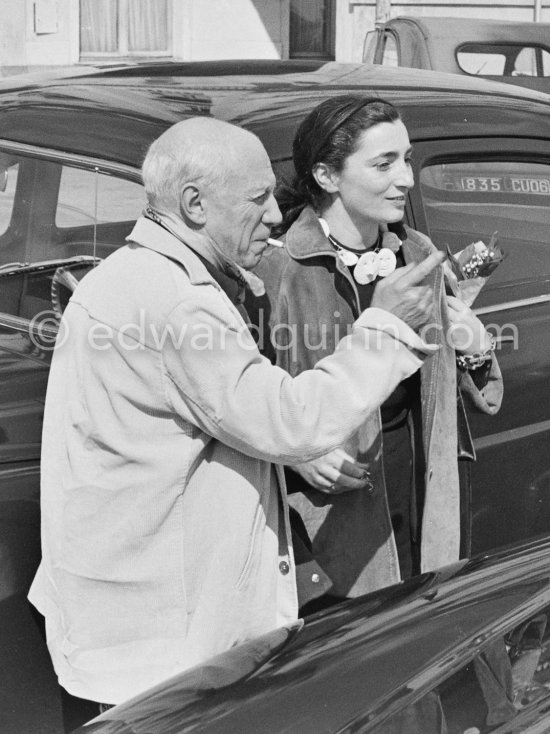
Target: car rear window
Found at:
x=484, y=59
x=470, y=200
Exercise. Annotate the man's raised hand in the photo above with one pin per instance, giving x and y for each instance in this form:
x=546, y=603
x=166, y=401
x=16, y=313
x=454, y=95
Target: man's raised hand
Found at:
x=401, y=294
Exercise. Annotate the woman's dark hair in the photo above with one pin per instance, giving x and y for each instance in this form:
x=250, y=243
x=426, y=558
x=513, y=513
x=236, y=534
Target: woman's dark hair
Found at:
x=329, y=134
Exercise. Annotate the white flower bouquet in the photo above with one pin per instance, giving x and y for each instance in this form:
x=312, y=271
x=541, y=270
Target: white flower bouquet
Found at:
x=467, y=271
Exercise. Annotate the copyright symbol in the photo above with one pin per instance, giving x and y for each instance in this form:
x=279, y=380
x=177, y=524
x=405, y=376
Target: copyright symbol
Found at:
x=47, y=331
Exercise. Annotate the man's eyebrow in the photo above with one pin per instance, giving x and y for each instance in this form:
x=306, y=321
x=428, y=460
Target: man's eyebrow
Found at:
x=267, y=189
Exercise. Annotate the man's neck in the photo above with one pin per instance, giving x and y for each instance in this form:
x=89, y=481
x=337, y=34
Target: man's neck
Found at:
x=203, y=247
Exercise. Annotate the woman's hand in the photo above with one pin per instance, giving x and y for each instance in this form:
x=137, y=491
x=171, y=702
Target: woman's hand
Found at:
x=335, y=473
x=467, y=333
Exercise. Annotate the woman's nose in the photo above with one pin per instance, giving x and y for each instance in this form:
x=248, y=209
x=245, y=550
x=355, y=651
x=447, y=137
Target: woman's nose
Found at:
x=404, y=176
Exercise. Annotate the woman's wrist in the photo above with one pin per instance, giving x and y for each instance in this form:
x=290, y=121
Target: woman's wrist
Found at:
x=479, y=340
x=475, y=359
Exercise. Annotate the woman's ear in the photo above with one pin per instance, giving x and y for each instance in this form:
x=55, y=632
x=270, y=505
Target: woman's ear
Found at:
x=325, y=177
x=192, y=205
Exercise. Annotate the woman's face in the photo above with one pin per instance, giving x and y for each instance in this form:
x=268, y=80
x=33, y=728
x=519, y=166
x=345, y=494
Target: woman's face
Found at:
x=374, y=181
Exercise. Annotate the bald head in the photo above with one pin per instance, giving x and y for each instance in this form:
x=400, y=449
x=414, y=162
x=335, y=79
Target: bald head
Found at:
x=201, y=150
x=217, y=179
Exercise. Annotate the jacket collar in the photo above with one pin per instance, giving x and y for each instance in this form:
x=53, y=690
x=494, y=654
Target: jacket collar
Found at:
x=151, y=235
x=306, y=237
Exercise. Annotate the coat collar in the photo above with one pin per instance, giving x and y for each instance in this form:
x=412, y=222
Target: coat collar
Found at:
x=306, y=237
x=151, y=235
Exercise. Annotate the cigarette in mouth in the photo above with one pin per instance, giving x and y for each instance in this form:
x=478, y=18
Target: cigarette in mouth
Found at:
x=274, y=243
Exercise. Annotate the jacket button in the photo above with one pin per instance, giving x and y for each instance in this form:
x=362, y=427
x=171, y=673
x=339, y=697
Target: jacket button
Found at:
x=284, y=568
x=315, y=578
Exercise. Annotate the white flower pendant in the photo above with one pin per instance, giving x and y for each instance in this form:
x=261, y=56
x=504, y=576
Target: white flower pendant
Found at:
x=372, y=265
x=367, y=268
x=387, y=262
x=347, y=257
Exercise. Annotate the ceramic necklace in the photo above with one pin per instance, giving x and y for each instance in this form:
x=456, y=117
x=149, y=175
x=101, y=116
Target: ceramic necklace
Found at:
x=377, y=263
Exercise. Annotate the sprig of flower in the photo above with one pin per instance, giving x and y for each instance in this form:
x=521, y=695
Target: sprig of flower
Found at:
x=470, y=268
x=477, y=259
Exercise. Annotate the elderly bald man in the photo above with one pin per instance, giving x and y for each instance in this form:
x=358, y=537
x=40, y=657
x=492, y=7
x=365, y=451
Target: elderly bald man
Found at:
x=165, y=521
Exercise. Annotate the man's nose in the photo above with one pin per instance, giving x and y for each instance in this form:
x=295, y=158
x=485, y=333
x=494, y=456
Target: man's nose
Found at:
x=272, y=215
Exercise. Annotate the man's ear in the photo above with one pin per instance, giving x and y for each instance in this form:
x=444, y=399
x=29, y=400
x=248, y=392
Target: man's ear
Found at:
x=325, y=177
x=191, y=205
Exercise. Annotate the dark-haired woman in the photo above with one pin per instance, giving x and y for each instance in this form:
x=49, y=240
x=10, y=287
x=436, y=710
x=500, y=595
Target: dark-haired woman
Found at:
x=386, y=505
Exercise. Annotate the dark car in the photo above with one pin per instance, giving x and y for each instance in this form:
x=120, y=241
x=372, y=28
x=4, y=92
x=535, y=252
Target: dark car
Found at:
x=506, y=51
x=462, y=651
x=70, y=155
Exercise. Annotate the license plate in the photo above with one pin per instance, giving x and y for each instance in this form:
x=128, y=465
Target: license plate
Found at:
x=494, y=184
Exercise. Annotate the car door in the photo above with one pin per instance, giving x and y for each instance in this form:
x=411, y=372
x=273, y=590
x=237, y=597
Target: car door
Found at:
x=58, y=215
x=467, y=190
x=55, y=210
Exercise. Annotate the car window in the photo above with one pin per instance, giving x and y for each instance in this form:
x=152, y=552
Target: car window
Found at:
x=53, y=211
x=470, y=200
x=503, y=60
x=490, y=63
x=369, y=46
x=507, y=678
x=525, y=63
x=86, y=195
x=389, y=54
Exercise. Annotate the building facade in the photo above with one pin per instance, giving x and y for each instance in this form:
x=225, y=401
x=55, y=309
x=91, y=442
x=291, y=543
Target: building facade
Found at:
x=46, y=33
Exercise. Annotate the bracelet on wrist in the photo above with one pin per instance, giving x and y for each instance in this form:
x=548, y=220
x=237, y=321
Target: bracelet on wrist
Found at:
x=477, y=359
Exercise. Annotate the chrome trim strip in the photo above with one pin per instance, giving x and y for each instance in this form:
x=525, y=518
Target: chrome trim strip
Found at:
x=512, y=304
x=24, y=470
x=27, y=326
x=512, y=435
x=78, y=161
